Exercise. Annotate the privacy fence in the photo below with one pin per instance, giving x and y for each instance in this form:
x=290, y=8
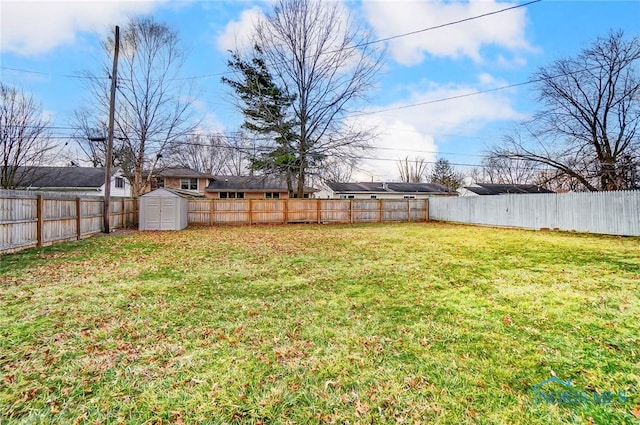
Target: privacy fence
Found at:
x=613, y=213
x=281, y=211
x=29, y=219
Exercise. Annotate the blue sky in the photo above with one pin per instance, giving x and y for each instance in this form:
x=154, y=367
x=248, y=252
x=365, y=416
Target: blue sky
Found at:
x=44, y=44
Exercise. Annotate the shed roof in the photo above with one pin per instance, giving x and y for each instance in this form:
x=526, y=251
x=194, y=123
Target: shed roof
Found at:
x=166, y=192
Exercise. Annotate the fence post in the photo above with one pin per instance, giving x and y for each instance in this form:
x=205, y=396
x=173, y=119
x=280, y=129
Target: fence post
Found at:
x=135, y=205
x=409, y=210
x=78, y=219
x=212, y=212
x=40, y=219
x=286, y=210
x=381, y=210
x=250, y=213
x=351, y=211
x=318, y=210
x=426, y=208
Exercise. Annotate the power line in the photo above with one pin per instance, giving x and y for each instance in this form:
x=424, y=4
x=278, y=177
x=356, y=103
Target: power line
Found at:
x=435, y=27
x=475, y=93
x=86, y=77
x=444, y=99
x=356, y=46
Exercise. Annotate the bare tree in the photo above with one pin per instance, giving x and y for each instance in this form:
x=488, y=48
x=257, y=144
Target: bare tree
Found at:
x=501, y=169
x=240, y=150
x=412, y=170
x=91, y=137
x=24, y=136
x=327, y=65
x=204, y=153
x=588, y=129
x=337, y=170
x=153, y=108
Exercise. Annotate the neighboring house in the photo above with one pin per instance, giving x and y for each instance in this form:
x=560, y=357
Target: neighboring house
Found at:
x=250, y=187
x=479, y=189
x=380, y=190
x=76, y=180
x=185, y=179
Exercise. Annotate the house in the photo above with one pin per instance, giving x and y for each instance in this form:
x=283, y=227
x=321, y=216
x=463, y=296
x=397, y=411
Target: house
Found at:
x=381, y=190
x=250, y=187
x=480, y=189
x=75, y=180
x=180, y=178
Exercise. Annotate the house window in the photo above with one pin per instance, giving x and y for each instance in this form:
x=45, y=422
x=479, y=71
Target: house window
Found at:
x=231, y=195
x=189, y=184
x=160, y=182
x=374, y=197
x=272, y=195
x=409, y=197
x=119, y=183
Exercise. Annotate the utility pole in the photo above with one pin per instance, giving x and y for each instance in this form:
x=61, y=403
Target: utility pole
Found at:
x=112, y=107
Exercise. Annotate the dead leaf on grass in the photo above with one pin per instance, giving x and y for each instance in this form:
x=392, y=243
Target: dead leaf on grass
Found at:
x=636, y=412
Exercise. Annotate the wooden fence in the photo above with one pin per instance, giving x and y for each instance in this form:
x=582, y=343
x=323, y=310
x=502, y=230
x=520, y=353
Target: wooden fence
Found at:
x=283, y=211
x=29, y=219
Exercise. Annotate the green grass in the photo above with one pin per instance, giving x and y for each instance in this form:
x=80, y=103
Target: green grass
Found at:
x=404, y=323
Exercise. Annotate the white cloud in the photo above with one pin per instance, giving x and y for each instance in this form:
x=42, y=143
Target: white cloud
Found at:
x=415, y=131
x=33, y=27
x=210, y=122
x=237, y=34
x=388, y=19
x=397, y=140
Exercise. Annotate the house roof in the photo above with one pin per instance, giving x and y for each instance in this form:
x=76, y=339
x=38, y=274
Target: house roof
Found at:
x=249, y=184
x=181, y=172
x=500, y=189
x=380, y=187
x=60, y=177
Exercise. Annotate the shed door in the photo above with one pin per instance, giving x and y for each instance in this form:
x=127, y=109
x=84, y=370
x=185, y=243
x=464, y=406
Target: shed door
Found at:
x=168, y=213
x=153, y=213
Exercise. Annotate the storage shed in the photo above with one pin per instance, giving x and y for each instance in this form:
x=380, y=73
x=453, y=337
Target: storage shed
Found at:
x=163, y=209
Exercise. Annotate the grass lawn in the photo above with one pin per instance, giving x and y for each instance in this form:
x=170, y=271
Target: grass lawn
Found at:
x=366, y=324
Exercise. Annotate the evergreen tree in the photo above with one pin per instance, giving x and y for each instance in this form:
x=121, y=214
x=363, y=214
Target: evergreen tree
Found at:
x=265, y=108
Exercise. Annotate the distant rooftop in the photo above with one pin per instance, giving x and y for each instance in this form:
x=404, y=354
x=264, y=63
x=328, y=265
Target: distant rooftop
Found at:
x=250, y=184
x=60, y=177
x=380, y=187
x=180, y=172
x=501, y=189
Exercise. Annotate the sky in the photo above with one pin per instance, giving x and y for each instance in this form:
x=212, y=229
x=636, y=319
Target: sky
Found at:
x=46, y=45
